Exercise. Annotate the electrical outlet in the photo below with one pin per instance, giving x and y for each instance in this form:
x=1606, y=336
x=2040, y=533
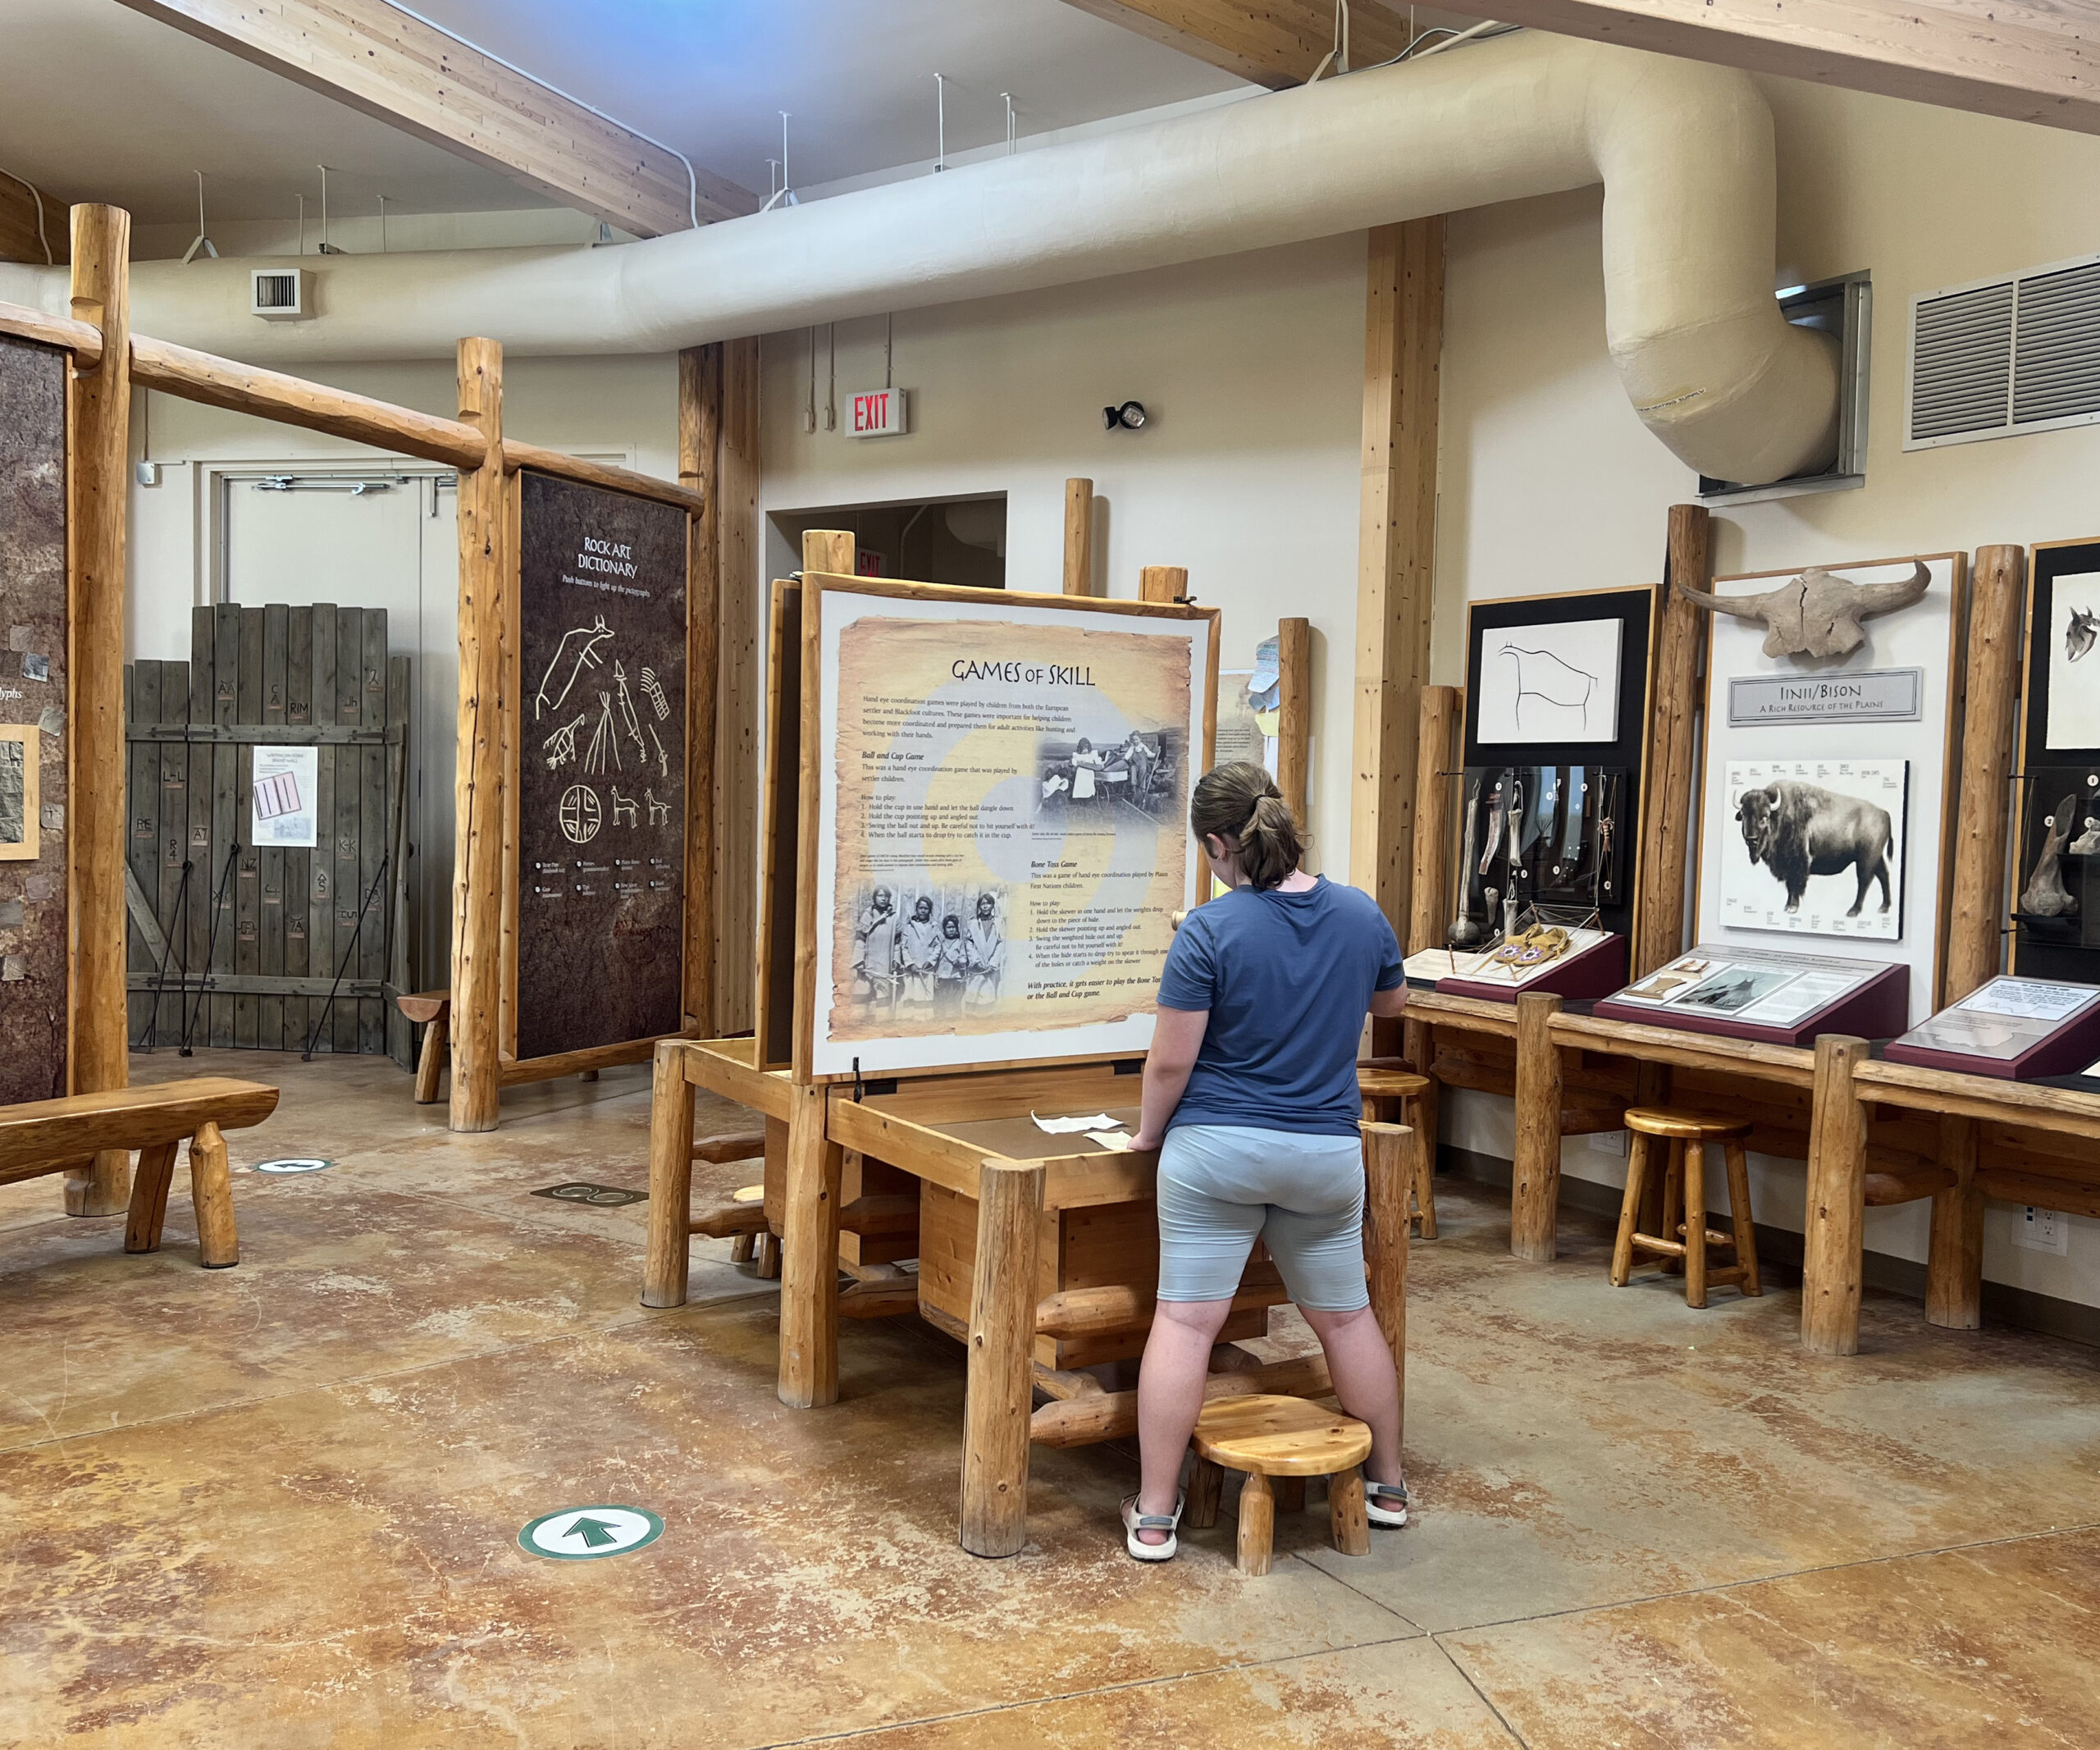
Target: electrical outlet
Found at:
x=1610, y=1142
x=2043, y=1230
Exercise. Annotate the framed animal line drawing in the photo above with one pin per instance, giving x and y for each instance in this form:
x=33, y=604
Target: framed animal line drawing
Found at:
x=1826, y=781
x=20, y=801
x=1556, y=725
x=2056, y=877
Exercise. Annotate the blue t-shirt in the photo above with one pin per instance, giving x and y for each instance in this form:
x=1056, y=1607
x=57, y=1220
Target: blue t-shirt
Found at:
x=1288, y=980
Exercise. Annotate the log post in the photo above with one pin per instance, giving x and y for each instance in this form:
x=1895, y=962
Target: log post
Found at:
x=667, y=1260
x=1396, y=545
x=1954, y=1267
x=700, y=439
x=1975, y=938
x=1534, y=1190
x=211, y=1196
x=1667, y=822
x=1163, y=583
x=1295, y=713
x=809, y=1257
x=99, y=449
x=1387, y=1168
x=480, y=788
x=827, y=550
x=740, y=656
x=1002, y=1335
x=1079, y=538
x=1837, y=1202
x=1429, y=905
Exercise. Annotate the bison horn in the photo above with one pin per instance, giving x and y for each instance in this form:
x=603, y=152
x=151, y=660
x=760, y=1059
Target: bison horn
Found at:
x=1743, y=607
x=1886, y=598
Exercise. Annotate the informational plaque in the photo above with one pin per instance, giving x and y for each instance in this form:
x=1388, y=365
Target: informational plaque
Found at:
x=34, y=960
x=1002, y=824
x=601, y=767
x=2012, y=1028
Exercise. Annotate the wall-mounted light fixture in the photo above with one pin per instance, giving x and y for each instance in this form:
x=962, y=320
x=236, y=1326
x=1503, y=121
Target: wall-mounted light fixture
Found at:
x=1130, y=416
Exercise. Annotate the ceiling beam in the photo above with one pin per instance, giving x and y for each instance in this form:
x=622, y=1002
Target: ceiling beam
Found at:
x=19, y=237
x=2028, y=61
x=1276, y=42
x=382, y=60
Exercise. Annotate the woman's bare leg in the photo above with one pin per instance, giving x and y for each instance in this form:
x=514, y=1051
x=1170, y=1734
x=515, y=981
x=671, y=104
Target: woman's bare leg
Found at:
x=1365, y=1384
x=1171, y=1396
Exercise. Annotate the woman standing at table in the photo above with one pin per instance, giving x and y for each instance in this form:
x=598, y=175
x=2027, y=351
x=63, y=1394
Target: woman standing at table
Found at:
x=1250, y=1097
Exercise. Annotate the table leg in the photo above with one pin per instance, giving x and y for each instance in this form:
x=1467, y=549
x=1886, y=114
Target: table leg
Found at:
x=1695, y=1224
x=1386, y=1169
x=1535, y=1191
x=670, y=1181
x=1954, y=1272
x=1837, y=1202
x=1002, y=1300
x=142, y=1231
x=809, y=1257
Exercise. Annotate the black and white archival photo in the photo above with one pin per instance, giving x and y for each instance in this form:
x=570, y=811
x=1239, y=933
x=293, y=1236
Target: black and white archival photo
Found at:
x=1550, y=683
x=1816, y=847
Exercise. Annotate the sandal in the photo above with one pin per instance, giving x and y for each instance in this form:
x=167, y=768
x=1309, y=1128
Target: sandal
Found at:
x=1396, y=1514
x=1134, y=1522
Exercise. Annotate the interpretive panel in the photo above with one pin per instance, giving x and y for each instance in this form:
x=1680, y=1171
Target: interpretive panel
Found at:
x=602, y=756
x=33, y=961
x=1002, y=824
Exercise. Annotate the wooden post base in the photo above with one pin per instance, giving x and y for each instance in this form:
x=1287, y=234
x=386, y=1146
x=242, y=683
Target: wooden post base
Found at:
x=102, y=1188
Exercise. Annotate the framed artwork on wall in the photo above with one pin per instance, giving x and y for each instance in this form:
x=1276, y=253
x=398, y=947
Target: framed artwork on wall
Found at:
x=1827, y=781
x=2055, y=875
x=20, y=801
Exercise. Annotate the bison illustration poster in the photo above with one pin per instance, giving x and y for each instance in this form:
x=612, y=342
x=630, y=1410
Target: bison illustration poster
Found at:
x=1816, y=847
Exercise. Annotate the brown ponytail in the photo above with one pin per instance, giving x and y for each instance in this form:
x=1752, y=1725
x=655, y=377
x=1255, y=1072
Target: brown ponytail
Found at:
x=1240, y=804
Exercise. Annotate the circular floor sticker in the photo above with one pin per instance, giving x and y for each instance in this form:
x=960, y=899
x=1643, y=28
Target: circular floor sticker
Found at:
x=585, y=1533
x=293, y=1163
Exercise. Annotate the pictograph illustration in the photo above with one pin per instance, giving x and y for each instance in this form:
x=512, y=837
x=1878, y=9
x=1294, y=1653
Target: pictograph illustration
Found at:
x=663, y=759
x=1552, y=687
x=603, y=754
x=654, y=688
x=1557, y=682
x=577, y=650
x=659, y=812
x=581, y=816
x=626, y=710
x=560, y=747
x=625, y=811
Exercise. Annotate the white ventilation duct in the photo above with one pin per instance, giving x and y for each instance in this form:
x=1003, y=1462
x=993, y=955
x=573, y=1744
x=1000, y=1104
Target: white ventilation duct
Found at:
x=1684, y=151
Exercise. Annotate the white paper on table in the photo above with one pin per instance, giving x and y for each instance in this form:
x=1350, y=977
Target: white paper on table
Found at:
x=1100, y=1120
x=1115, y=1142
x=2029, y=999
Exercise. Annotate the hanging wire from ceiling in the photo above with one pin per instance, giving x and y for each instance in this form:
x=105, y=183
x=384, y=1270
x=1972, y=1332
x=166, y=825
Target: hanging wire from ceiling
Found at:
x=784, y=196
x=36, y=198
x=202, y=239
x=1337, y=57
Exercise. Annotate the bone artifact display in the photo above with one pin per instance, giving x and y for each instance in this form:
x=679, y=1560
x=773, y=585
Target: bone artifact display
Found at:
x=1464, y=932
x=1817, y=614
x=2079, y=636
x=2045, y=896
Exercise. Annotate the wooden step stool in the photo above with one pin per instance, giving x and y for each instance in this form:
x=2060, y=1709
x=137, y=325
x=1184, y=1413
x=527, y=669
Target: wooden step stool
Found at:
x=1687, y=1135
x=1382, y=1085
x=1290, y=1438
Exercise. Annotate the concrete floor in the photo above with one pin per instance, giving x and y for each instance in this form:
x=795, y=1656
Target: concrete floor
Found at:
x=278, y=1505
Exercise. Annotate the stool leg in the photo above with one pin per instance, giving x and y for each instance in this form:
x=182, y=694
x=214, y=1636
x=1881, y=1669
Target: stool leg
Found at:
x=1629, y=1212
x=1205, y=1481
x=741, y=1248
x=1695, y=1224
x=1345, y=1516
x=1673, y=1202
x=142, y=1231
x=768, y=1256
x=1421, y=1151
x=1746, y=1227
x=1258, y=1524
x=1290, y=1494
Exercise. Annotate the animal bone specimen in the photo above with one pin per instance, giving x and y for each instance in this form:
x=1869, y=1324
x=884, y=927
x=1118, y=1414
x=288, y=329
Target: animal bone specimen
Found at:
x=2045, y=896
x=1464, y=932
x=1817, y=614
x=2089, y=841
x=2080, y=635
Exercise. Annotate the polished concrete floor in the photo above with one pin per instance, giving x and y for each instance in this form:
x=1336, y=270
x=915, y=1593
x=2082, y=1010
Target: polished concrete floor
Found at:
x=279, y=1505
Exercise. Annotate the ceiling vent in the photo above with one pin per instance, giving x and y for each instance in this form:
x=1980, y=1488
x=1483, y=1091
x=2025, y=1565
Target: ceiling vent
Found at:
x=281, y=294
x=2003, y=356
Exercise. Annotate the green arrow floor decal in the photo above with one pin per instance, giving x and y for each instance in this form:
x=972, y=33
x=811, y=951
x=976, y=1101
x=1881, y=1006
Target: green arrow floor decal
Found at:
x=590, y=1533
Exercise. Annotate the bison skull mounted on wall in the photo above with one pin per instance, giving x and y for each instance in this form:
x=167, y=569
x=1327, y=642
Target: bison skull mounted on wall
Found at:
x=1817, y=614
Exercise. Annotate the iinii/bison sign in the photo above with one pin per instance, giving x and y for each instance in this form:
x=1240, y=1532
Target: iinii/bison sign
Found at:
x=601, y=766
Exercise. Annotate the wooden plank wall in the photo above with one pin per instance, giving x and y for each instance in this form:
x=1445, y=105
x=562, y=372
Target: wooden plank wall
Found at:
x=286, y=919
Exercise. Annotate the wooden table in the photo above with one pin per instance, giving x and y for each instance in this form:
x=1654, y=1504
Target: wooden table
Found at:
x=1039, y=1253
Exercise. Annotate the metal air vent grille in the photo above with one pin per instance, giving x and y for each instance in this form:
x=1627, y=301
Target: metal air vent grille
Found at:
x=2006, y=356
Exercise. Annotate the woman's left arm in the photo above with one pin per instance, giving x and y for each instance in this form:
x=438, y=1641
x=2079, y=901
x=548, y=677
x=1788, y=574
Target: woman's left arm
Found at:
x=1177, y=1036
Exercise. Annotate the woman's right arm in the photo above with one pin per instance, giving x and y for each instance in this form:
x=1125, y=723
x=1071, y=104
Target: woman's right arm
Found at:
x=1386, y=1004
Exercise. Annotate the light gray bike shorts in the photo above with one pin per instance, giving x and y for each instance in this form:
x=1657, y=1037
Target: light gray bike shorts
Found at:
x=1223, y=1185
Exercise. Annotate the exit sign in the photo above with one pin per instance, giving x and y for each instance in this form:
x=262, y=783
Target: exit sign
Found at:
x=879, y=413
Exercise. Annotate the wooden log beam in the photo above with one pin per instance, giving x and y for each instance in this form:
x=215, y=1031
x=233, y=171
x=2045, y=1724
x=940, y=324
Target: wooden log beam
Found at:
x=1074, y=1312
x=83, y=339
x=1294, y=712
x=700, y=472
x=996, y=1422
x=2030, y=63
x=99, y=481
x=1667, y=822
x=1079, y=538
x=809, y=1250
x=485, y=571
x=1113, y=1415
x=384, y=61
x=1277, y=43
x=1428, y=899
x=739, y=693
x=1404, y=339
x=1163, y=583
x=1954, y=1261
x=2008, y=1185
x=193, y=375
x=517, y=455
x=1535, y=1188
x=33, y=227
x=1831, y=1264
x=1975, y=945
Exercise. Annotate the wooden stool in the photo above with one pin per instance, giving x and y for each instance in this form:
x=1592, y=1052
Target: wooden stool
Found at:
x=1684, y=1201
x=431, y=1010
x=1377, y=1084
x=1290, y=1438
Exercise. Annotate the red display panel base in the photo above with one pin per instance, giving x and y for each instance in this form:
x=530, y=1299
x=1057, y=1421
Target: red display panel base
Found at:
x=1596, y=971
x=2066, y=1052
x=1878, y=1008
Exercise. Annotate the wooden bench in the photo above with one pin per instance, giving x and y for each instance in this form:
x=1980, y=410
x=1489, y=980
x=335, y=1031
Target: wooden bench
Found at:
x=48, y=1136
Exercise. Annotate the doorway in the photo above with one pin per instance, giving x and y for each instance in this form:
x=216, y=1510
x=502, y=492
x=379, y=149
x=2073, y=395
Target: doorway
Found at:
x=960, y=540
